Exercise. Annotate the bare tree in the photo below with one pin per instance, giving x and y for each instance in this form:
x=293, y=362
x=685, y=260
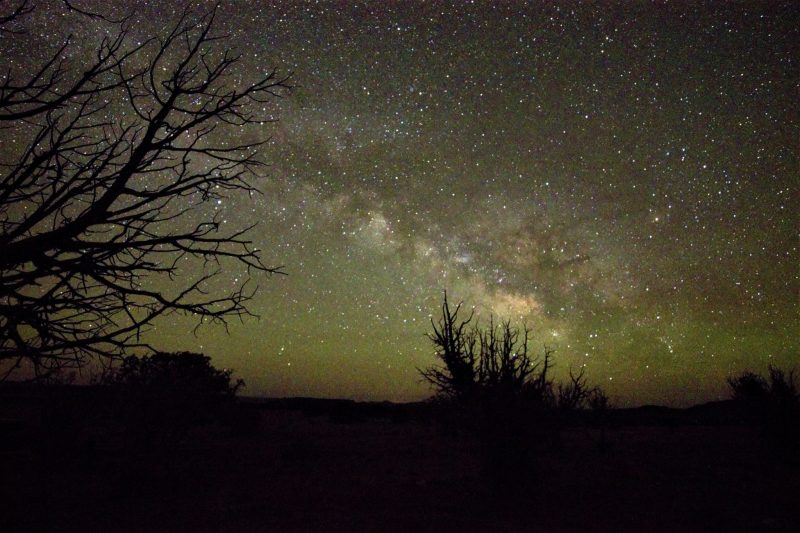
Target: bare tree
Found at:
x=494, y=360
x=505, y=366
x=502, y=393
x=454, y=343
x=106, y=219
x=573, y=394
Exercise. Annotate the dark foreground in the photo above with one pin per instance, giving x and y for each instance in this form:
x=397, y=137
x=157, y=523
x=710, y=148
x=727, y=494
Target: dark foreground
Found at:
x=289, y=470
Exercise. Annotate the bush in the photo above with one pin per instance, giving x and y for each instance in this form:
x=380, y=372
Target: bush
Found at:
x=165, y=394
x=772, y=403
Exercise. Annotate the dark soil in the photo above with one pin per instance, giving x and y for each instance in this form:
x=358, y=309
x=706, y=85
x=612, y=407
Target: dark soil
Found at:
x=289, y=471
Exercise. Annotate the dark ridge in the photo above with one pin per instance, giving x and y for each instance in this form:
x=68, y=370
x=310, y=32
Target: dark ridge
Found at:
x=343, y=410
x=714, y=413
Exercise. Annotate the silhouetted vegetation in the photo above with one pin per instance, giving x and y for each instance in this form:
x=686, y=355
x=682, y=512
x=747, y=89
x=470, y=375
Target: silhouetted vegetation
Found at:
x=772, y=403
x=501, y=391
x=106, y=222
x=161, y=396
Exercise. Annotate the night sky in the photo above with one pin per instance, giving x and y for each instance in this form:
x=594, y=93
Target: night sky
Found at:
x=621, y=177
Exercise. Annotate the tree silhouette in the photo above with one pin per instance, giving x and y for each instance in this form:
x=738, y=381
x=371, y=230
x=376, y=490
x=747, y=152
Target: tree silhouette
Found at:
x=773, y=403
x=455, y=348
x=106, y=195
x=504, y=394
x=494, y=361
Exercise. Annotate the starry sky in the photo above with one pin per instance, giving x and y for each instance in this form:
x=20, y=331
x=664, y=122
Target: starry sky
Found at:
x=622, y=177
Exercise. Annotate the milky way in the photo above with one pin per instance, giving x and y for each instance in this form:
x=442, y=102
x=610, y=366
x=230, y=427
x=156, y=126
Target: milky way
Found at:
x=622, y=178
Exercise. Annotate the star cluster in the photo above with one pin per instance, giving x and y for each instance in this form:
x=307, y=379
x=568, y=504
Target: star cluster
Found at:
x=621, y=177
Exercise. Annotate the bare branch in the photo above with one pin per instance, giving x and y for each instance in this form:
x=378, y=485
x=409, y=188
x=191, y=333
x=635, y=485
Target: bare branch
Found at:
x=94, y=212
x=91, y=14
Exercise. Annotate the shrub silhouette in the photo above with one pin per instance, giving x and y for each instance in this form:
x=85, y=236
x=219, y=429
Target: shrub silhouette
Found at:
x=163, y=395
x=502, y=392
x=749, y=387
x=772, y=403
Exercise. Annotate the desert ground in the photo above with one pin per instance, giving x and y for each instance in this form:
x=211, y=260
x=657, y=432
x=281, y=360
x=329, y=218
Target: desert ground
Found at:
x=284, y=467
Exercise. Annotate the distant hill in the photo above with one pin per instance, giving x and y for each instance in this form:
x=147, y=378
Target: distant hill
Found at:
x=723, y=412
x=342, y=410
x=726, y=412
